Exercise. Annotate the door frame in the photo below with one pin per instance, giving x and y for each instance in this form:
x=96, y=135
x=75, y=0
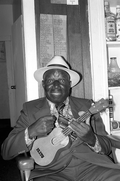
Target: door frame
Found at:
x=98, y=55
x=28, y=13
x=10, y=76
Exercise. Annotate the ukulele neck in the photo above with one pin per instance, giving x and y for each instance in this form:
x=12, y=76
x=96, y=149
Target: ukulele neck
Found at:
x=67, y=131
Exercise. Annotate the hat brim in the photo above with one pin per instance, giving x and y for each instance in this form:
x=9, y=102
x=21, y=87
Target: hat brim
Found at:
x=74, y=76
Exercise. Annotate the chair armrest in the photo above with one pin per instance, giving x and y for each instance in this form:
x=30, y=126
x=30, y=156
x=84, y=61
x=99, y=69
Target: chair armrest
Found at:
x=25, y=165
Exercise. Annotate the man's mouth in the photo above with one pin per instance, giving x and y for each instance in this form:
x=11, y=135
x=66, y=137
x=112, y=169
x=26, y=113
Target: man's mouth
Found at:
x=56, y=93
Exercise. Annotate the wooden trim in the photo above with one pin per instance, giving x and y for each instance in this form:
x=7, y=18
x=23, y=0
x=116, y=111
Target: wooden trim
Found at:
x=98, y=54
x=28, y=12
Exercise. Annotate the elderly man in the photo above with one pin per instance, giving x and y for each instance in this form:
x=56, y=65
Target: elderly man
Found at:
x=67, y=141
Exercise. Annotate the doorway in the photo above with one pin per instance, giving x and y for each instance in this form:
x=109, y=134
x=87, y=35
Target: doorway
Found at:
x=4, y=97
x=7, y=95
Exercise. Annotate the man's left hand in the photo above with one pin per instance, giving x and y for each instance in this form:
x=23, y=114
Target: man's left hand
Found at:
x=84, y=132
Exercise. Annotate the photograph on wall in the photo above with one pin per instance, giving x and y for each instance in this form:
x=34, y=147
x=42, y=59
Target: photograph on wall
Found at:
x=53, y=38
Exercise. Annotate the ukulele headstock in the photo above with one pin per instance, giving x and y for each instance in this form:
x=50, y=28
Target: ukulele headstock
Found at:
x=99, y=106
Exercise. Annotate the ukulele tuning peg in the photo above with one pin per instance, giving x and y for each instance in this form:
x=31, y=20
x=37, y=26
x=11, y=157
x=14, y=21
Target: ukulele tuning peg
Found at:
x=92, y=102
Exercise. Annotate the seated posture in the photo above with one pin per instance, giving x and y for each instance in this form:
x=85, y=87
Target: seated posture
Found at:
x=67, y=142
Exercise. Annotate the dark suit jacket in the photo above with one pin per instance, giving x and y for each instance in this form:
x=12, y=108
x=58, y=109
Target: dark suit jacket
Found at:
x=33, y=110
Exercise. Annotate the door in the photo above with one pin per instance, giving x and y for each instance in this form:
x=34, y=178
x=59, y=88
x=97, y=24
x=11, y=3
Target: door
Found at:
x=19, y=67
x=10, y=96
x=78, y=50
x=4, y=98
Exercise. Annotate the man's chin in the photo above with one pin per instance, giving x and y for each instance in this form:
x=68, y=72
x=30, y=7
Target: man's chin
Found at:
x=56, y=99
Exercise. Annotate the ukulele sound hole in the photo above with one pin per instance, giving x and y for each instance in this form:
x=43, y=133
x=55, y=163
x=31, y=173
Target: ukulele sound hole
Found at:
x=53, y=141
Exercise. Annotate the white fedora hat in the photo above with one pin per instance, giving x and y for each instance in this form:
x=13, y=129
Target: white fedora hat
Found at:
x=57, y=62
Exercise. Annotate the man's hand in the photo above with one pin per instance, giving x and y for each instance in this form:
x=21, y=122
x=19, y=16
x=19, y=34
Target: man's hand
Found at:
x=42, y=127
x=84, y=132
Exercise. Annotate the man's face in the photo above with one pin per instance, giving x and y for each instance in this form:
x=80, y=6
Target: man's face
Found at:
x=56, y=84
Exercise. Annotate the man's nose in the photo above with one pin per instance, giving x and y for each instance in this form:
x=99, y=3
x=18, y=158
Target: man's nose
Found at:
x=56, y=83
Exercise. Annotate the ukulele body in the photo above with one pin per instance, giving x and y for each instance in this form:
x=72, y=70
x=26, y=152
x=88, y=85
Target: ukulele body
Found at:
x=46, y=149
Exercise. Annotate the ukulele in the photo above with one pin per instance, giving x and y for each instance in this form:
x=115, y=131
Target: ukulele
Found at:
x=46, y=149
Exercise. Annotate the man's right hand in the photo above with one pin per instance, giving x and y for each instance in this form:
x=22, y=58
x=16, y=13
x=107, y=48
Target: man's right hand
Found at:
x=42, y=127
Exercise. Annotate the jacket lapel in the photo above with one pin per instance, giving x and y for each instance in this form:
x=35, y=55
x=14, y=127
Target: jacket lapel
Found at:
x=42, y=109
x=75, y=109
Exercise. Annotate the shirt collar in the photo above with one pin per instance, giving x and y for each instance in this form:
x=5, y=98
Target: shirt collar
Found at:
x=52, y=105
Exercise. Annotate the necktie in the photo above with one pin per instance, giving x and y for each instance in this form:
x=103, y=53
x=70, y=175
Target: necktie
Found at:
x=60, y=109
x=64, y=123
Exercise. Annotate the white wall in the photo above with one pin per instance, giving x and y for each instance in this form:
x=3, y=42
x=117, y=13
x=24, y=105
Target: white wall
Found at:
x=6, y=20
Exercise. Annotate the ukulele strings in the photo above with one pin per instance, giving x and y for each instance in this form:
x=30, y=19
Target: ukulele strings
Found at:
x=83, y=117
x=66, y=131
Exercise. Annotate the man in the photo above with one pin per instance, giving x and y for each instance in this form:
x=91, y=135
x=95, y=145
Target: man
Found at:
x=83, y=146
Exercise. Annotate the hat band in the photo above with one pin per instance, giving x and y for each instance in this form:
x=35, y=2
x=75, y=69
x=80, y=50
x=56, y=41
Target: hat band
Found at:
x=58, y=65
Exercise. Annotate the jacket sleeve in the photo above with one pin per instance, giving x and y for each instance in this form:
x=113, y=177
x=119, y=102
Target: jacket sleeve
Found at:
x=99, y=129
x=15, y=144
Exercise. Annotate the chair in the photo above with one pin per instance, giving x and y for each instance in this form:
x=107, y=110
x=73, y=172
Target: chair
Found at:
x=25, y=165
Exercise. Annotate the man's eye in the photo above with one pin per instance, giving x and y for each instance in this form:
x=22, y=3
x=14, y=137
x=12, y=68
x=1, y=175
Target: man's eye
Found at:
x=62, y=81
x=49, y=81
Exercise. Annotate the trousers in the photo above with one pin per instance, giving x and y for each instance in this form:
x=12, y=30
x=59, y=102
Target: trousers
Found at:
x=79, y=170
